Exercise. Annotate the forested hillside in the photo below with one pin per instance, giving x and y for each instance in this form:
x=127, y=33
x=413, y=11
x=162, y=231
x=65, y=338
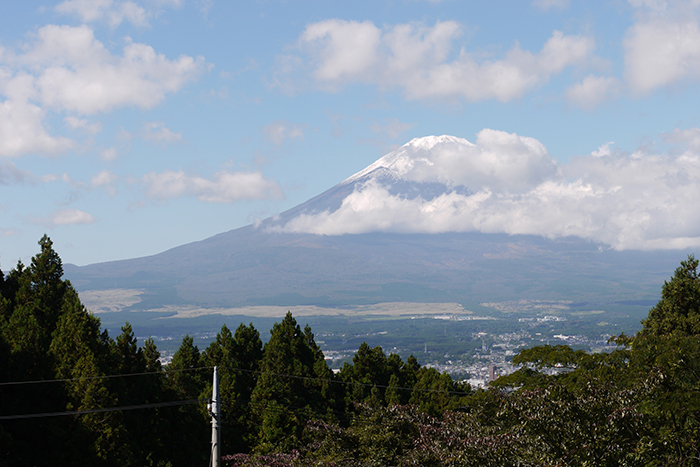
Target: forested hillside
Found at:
x=70, y=394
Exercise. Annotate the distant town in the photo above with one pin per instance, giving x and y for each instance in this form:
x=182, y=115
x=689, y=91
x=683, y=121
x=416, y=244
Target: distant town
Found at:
x=472, y=348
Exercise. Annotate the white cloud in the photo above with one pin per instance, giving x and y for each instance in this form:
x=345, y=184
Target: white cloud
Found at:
x=9, y=232
x=392, y=128
x=105, y=180
x=224, y=187
x=627, y=202
x=603, y=150
x=109, y=11
x=65, y=69
x=10, y=174
x=86, y=10
x=76, y=73
x=75, y=184
x=547, y=5
x=21, y=131
x=171, y=3
x=592, y=91
x=158, y=132
x=498, y=161
x=662, y=47
x=418, y=59
x=205, y=6
x=657, y=5
x=66, y=217
x=72, y=216
x=109, y=154
x=342, y=48
x=688, y=138
x=83, y=124
x=281, y=130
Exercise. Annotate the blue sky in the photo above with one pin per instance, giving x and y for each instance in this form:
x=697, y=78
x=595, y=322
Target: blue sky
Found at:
x=130, y=127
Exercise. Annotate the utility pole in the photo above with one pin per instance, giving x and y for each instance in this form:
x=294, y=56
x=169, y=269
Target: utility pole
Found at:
x=215, y=412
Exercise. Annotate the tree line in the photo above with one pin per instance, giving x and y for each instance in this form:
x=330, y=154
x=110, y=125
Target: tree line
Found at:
x=637, y=405
x=71, y=394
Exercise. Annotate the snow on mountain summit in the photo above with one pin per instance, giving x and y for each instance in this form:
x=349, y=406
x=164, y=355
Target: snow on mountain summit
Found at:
x=407, y=157
x=498, y=161
x=429, y=142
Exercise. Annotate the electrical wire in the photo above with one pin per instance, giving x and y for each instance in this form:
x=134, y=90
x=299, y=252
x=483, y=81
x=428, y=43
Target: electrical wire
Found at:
x=106, y=409
x=87, y=378
x=339, y=415
x=368, y=385
x=243, y=370
x=251, y=404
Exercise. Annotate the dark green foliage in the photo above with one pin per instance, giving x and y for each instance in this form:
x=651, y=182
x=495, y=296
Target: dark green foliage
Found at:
x=678, y=311
x=435, y=392
x=288, y=392
x=46, y=334
x=377, y=380
x=369, y=375
x=238, y=360
x=282, y=405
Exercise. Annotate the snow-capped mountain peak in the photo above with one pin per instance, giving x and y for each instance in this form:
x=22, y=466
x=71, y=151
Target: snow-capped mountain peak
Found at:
x=429, y=142
x=411, y=157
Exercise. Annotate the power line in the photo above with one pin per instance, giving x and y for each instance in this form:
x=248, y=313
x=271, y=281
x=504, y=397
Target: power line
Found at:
x=86, y=378
x=167, y=372
x=368, y=385
x=106, y=409
x=198, y=401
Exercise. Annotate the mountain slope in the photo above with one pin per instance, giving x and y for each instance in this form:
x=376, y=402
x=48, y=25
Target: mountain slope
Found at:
x=277, y=263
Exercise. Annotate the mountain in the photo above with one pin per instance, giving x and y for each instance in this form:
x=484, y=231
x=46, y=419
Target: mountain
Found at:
x=364, y=241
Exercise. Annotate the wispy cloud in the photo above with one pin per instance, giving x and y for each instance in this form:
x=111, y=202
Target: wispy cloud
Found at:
x=105, y=180
x=65, y=217
x=111, y=12
x=83, y=124
x=158, y=132
x=223, y=187
x=592, y=91
x=10, y=174
x=547, y=5
x=390, y=128
x=281, y=130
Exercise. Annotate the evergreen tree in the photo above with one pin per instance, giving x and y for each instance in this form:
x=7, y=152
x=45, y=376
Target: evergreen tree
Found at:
x=433, y=392
x=238, y=359
x=38, y=307
x=287, y=393
x=678, y=311
x=188, y=425
x=81, y=353
x=369, y=375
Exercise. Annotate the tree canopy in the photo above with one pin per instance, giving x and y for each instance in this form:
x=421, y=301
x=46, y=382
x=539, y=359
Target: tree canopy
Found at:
x=70, y=383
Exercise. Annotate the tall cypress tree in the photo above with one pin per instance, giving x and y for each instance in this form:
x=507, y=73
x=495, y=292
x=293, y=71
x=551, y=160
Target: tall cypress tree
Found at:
x=287, y=393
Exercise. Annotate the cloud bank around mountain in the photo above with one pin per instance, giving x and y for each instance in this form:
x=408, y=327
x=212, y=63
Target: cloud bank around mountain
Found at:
x=506, y=183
